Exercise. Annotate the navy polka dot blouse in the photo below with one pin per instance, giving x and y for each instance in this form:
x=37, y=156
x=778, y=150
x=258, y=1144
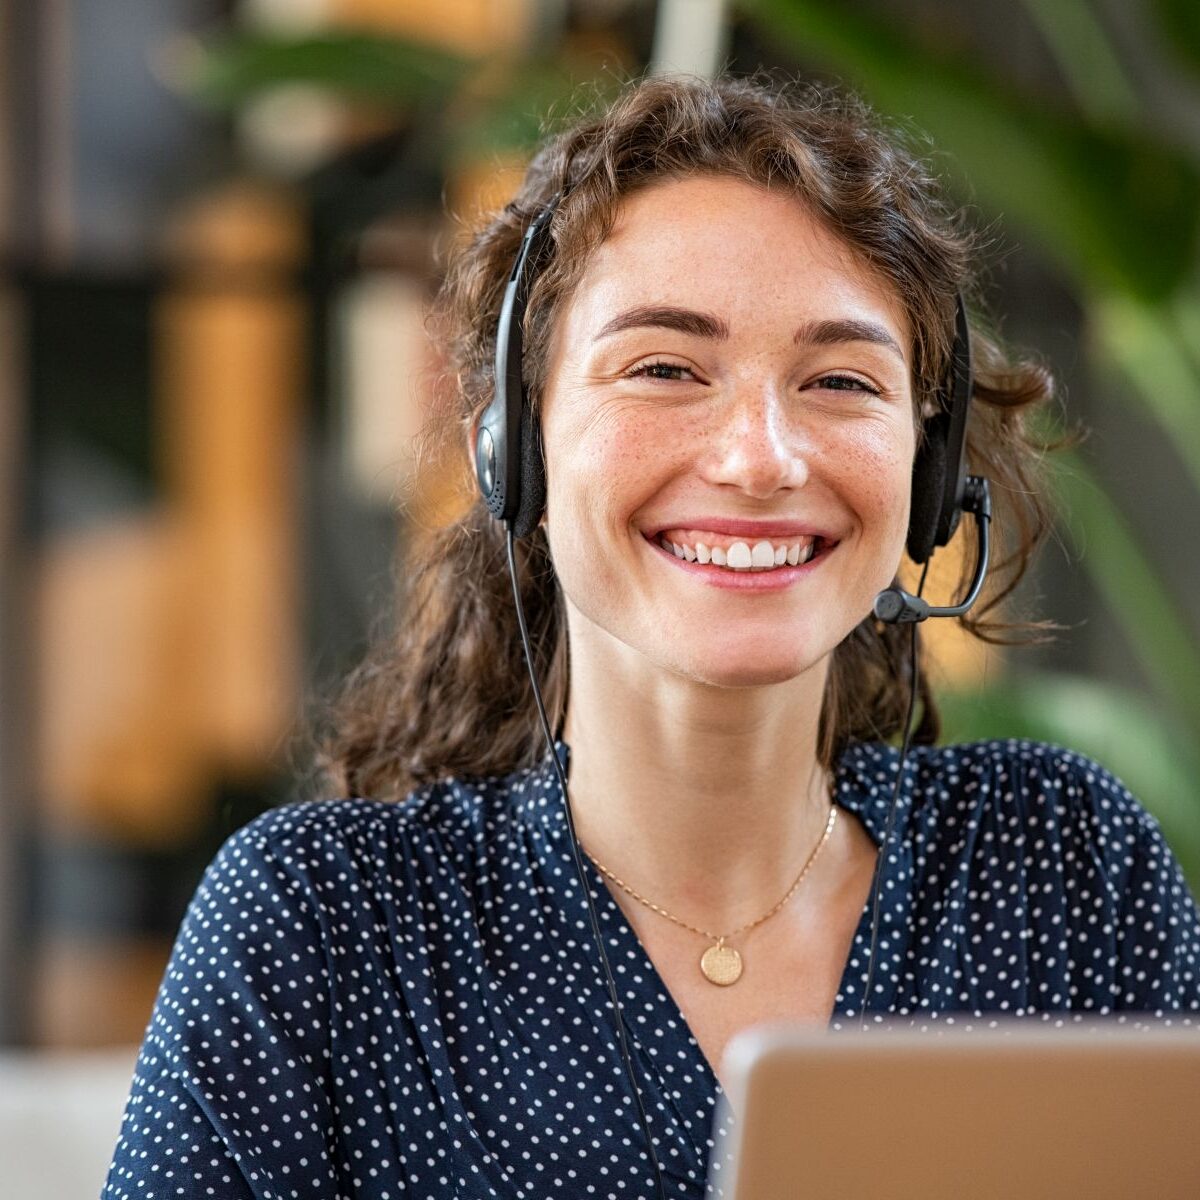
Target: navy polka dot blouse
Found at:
x=378, y=1000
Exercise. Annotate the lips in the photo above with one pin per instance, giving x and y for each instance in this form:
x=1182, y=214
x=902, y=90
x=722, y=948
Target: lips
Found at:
x=738, y=552
x=731, y=528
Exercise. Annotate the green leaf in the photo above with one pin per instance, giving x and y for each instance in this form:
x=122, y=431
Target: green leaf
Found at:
x=1132, y=588
x=1117, y=209
x=230, y=70
x=1155, y=348
x=1180, y=24
x=1086, y=58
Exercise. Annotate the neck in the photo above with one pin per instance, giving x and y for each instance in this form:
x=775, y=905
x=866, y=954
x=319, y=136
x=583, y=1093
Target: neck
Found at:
x=705, y=800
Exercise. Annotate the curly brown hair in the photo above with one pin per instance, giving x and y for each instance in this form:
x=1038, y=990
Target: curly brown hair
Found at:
x=448, y=693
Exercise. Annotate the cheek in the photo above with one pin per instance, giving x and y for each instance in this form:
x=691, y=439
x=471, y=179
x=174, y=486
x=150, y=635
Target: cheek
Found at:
x=602, y=468
x=585, y=473
x=876, y=467
x=628, y=434
x=604, y=463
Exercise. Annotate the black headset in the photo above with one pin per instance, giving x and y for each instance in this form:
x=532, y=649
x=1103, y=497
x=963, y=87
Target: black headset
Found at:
x=511, y=473
x=510, y=469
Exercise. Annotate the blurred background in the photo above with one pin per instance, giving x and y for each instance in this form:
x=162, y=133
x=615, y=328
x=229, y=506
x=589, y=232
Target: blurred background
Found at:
x=220, y=222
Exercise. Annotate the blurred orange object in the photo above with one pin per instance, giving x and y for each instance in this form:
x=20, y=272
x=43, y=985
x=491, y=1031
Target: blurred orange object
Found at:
x=473, y=26
x=169, y=642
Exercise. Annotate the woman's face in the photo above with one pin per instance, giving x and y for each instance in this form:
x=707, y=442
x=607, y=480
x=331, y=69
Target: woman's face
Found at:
x=729, y=386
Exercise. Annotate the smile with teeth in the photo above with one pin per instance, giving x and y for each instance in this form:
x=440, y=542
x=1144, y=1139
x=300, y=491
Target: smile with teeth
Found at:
x=734, y=555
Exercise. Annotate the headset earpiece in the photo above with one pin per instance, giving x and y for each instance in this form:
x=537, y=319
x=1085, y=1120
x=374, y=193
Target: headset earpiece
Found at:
x=509, y=467
x=942, y=491
x=928, y=485
x=940, y=468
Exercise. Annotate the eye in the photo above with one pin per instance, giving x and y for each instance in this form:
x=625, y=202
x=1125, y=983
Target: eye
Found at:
x=846, y=383
x=669, y=371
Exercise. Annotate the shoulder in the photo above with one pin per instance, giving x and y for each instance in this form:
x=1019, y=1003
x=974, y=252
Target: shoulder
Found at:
x=1055, y=800
x=1034, y=782
x=1055, y=831
x=1012, y=798
x=449, y=809
x=961, y=775
x=339, y=843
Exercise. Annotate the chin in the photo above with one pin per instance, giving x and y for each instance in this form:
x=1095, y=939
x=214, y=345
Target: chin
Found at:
x=730, y=667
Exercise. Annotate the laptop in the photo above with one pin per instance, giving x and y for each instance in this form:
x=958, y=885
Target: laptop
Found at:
x=1025, y=1111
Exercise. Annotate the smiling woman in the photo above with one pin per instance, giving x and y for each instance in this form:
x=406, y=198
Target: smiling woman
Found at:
x=737, y=337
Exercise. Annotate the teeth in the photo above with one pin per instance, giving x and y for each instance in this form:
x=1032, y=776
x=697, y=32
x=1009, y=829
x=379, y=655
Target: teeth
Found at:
x=739, y=557
x=762, y=556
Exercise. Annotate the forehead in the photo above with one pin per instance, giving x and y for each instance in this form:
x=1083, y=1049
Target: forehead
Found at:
x=723, y=244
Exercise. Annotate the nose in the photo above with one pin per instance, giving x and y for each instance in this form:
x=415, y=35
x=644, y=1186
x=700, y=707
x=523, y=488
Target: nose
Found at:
x=756, y=448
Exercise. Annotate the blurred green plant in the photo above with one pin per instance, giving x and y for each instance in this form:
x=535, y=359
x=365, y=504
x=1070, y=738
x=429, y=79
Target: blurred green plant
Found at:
x=474, y=107
x=1179, y=21
x=232, y=68
x=1113, y=204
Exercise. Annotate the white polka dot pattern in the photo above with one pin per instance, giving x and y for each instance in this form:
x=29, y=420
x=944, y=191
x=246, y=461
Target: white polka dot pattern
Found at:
x=378, y=1000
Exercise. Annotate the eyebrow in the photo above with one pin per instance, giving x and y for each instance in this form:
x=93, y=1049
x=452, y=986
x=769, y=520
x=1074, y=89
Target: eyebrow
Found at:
x=683, y=320
x=832, y=333
x=698, y=324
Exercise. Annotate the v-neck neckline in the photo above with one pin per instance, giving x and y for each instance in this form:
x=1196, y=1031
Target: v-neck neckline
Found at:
x=859, y=789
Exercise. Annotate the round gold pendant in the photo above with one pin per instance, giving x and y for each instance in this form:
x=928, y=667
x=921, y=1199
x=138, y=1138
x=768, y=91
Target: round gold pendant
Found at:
x=721, y=964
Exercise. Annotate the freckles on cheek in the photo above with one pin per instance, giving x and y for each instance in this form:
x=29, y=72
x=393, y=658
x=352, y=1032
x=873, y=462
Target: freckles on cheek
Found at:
x=886, y=451
x=879, y=469
x=634, y=457
x=613, y=429
x=618, y=453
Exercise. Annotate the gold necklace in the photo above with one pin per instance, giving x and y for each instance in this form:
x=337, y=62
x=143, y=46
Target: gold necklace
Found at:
x=722, y=964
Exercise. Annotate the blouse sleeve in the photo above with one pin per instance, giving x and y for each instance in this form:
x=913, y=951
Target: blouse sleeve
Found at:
x=228, y=1097
x=1159, y=938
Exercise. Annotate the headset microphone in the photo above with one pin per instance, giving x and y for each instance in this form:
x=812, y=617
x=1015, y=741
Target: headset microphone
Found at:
x=942, y=491
x=898, y=607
